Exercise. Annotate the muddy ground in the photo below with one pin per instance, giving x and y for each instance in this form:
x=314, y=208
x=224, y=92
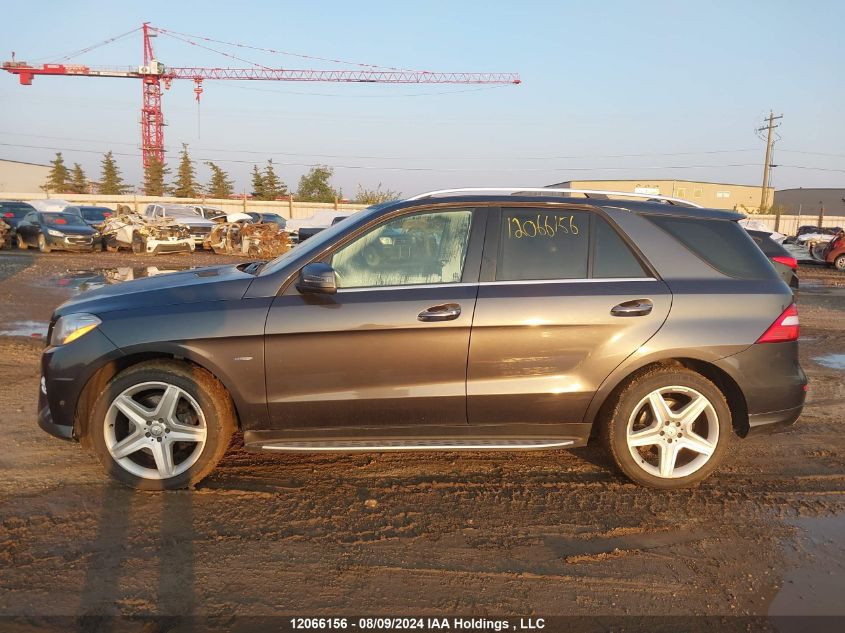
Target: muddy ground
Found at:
x=538, y=533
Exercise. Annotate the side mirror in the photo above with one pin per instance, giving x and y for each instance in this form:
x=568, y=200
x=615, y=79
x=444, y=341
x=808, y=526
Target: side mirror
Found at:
x=318, y=278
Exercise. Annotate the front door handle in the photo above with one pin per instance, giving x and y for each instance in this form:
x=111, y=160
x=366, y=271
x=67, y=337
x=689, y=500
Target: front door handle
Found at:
x=443, y=312
x=636, y=307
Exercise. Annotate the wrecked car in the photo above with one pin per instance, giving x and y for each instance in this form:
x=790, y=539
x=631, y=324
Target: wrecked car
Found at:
x=5, y=231
x=141, y=235
x=240, y=236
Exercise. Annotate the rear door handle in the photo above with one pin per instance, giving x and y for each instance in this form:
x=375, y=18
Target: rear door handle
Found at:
x=443, y=312
x=636, y=307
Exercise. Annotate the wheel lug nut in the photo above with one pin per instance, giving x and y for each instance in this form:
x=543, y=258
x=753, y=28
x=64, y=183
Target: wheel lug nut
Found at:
x=662, y=433
x=147, y=434
x=677, y=424
x=159, y=439
x=666, y=423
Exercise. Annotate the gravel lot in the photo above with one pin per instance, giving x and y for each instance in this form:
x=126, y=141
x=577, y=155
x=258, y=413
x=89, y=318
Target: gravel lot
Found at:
x=538, y=533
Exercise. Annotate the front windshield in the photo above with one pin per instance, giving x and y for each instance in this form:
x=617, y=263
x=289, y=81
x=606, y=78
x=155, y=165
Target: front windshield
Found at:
x=63, y=219
x=95, y=214
x=318, y=242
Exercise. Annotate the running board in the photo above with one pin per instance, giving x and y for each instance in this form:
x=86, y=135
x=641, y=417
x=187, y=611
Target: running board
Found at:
x=409, y=445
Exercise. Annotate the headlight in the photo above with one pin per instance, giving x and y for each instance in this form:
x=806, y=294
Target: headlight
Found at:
x=55, y=233
x=386, y=241
x=71, y=327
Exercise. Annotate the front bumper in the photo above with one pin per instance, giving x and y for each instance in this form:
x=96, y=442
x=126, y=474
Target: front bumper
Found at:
x=74, y=242
x=157, y=247
x=45, y=421
x=65, y=370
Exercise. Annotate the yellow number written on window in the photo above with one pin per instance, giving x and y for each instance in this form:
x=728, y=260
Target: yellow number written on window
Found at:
x=543, y=226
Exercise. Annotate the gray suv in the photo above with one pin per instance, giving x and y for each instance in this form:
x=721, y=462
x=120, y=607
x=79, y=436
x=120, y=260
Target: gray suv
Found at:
x=452, y=320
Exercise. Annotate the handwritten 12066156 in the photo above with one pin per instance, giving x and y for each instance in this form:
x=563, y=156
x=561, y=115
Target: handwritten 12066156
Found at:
x=543, y=226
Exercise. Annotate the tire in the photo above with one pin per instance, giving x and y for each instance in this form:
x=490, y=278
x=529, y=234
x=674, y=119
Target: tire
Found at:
x=42, y=244
x=839, y=262
x=138, y=244
x=141, y=454
x=22, y=245
x=667, y=451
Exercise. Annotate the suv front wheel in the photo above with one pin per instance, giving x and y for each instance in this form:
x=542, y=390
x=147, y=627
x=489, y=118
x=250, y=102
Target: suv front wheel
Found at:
x=161, y=425
x=670, y=428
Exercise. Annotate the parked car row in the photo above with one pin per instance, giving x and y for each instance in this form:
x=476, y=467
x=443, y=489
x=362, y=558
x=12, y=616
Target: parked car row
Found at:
x=54, y=224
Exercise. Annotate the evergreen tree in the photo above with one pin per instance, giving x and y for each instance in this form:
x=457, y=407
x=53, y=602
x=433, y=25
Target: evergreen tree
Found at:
x=257, y=184
x=186, y=183
x=78, y=181
x=314, y=186
x=58, y=178
x=154, y=174
x=220, y=185
x=273, y=186
x=111, y=182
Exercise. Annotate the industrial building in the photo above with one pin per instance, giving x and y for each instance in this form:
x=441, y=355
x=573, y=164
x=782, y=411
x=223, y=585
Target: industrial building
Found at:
x=713, y=195
x=19, y=177
x=811, y=201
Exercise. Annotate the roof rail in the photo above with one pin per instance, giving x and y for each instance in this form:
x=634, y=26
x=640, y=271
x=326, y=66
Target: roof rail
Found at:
x=587, y=192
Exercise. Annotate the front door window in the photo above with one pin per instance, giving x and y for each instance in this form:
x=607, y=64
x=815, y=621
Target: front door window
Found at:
x=419, y=248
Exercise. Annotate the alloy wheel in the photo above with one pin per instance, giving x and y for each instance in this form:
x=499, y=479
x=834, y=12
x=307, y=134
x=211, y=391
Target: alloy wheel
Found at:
x=155, y=430
x=673, y=432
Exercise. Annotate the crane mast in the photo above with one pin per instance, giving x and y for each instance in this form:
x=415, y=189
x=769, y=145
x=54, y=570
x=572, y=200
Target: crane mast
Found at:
x=154, y=75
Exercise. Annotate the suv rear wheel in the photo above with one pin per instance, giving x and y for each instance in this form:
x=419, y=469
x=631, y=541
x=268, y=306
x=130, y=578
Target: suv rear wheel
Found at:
x=670, y=428
x=161, y=425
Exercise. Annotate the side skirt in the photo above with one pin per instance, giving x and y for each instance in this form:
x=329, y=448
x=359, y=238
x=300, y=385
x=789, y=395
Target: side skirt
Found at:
x=493, y=438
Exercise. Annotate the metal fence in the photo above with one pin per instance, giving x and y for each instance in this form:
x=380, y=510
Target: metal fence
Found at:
x=788, y=224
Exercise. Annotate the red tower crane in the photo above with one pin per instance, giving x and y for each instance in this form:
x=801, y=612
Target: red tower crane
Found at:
x=153, y=74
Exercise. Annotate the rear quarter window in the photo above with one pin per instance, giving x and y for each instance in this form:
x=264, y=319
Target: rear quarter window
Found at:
x=721, y=243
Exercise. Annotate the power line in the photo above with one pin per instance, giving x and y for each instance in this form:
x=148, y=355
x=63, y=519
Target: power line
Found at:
x=417, y=169
x=370, y=157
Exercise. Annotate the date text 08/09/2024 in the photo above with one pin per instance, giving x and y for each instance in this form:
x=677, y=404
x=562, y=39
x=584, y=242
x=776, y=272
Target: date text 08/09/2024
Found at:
x=416, y=624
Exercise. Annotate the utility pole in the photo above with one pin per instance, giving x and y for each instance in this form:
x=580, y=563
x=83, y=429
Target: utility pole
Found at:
x=767, y=166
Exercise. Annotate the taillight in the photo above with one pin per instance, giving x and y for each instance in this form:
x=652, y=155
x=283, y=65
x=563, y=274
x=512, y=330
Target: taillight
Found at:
x=786, y=261
x=8, y=214
x=785, y=327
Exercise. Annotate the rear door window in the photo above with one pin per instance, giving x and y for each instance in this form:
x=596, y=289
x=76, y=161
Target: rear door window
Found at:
x=612, y=258
x=543, y=244
x=721, y=243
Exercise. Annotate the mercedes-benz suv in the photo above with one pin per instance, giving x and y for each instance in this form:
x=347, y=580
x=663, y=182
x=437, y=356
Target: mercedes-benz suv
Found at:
x=452, y=320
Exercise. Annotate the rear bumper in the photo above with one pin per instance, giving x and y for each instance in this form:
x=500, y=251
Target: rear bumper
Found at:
x=763, y=423
x=772, y=382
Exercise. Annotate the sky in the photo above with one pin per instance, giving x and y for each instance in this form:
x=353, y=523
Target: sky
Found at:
x=613, y=89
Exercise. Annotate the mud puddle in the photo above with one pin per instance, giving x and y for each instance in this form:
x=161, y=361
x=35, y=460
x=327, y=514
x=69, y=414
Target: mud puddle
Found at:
x=77, y=281
x=816, y=585
x=831, y=361
x=29, y=329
